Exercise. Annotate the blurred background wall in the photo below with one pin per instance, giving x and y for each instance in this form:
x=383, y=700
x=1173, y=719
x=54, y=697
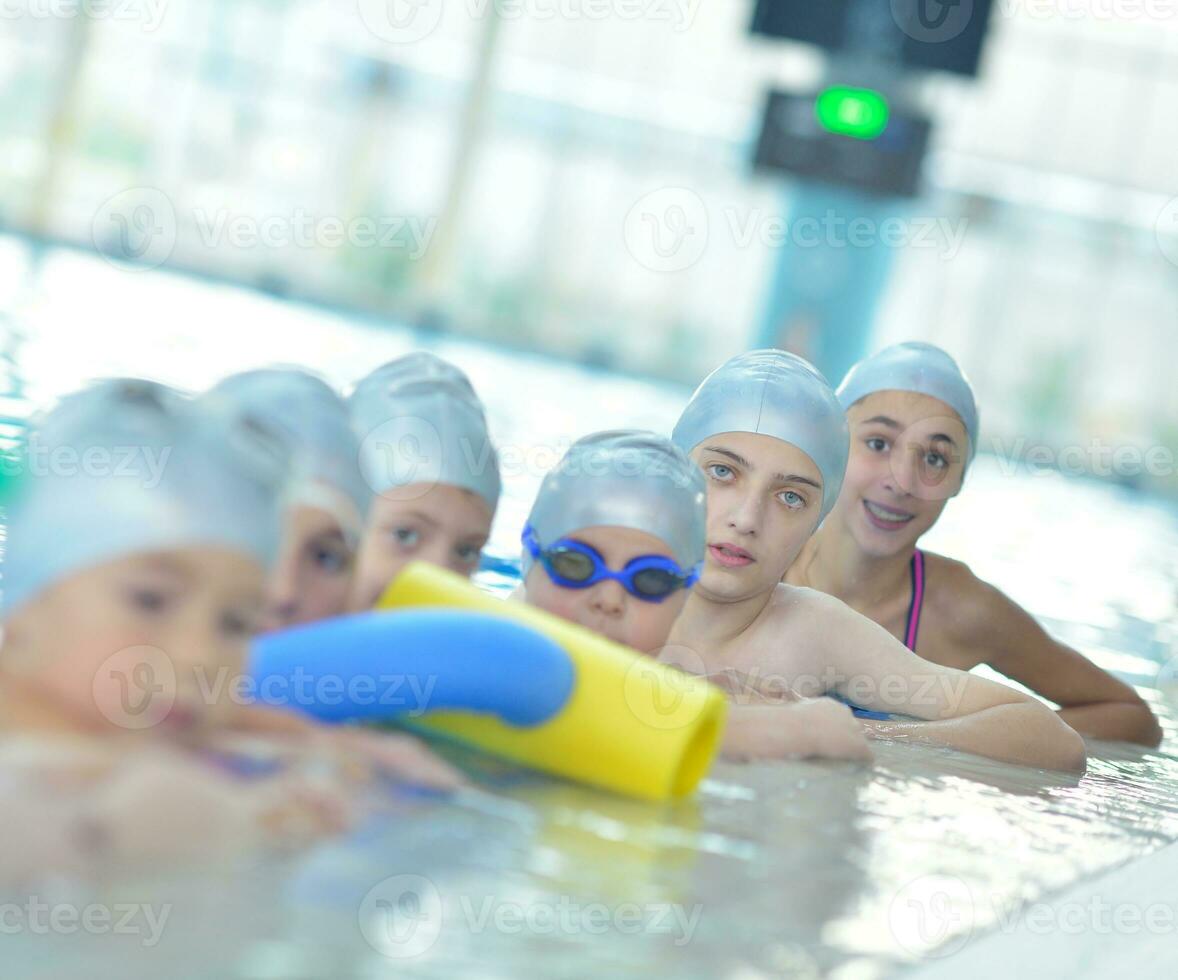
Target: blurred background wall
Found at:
x=575, y=177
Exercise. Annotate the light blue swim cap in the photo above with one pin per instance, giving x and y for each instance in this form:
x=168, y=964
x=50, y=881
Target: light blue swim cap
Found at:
x=315, y=421
x=774, y=393
x=128, y=466
x=418, y=420
x=625, y=478
x=917, y=367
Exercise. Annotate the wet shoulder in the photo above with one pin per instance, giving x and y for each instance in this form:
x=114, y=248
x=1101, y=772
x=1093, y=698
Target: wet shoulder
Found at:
x=957, y=603
x=801, y=610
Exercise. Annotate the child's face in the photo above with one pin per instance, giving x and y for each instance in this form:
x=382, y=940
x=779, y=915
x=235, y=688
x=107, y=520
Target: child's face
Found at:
x=441, y=524
x=908, y=455
x=311, y=579
x=764, y=502
x=149, y=642
x=606, y=607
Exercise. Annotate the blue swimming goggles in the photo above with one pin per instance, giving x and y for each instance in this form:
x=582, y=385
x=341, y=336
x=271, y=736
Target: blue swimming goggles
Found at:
x=575, y=565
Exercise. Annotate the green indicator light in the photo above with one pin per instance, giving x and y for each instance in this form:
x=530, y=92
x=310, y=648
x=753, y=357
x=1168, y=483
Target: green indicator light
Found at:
x=858, y=112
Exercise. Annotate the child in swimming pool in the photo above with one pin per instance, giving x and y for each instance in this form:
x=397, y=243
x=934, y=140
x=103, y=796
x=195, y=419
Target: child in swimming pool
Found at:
x=426, y=454
x=771, y=439
x=327, y=501
x=133, y=577
x=914, y=431
x=614, y=543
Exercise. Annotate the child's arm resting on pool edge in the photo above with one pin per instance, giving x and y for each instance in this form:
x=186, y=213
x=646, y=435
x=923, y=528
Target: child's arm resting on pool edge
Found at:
x=815, y=728
x=1009, y=640
x=874, y=670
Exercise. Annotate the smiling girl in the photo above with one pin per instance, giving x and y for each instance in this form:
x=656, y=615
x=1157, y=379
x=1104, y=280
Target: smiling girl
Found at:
x=914, y=431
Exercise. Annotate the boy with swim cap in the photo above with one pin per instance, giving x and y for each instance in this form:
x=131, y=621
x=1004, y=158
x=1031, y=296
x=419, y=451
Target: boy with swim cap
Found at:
x=914, y=431
x=771, y=439
x=615, y=542
x=133, y=577
x=426, y=454
x=327, y=499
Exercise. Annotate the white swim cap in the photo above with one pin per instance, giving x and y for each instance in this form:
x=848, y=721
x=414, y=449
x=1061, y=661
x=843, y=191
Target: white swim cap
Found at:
x=129, y=466
x=917, y=367
x=625, y=478
x=774, y=393
x=315, y=420
x=419, y=420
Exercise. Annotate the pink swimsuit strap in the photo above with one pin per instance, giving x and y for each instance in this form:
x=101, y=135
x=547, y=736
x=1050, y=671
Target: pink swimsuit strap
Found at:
x=917, y=602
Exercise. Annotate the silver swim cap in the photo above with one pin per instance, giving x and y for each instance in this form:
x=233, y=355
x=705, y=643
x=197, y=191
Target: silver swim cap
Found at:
x=316, y=423
x=773, y=393
x=625, y=478
x=917, y=367
x=419, y=421
x=128, y=466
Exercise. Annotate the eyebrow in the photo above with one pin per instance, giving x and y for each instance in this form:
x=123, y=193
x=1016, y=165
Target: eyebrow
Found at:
x=735, y=457
x=779, y=477
x=882, y=420
x=424, y=518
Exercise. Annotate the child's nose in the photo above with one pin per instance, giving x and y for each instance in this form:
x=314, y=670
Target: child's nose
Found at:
x=609, y=598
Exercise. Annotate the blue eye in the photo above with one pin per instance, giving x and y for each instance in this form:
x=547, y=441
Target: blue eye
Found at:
x=793, y=499
x=714, y=471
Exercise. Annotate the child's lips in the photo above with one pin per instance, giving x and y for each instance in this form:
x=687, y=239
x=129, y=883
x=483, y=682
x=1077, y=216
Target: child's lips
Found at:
x=886, y=518
x=730, y=555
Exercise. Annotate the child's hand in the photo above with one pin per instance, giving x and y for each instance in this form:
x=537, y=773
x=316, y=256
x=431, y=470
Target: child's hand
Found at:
x=361, y=751
x=172, y=806
x=818, y=728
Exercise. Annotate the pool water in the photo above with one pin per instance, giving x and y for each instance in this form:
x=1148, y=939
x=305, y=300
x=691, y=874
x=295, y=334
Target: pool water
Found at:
x=792, y=869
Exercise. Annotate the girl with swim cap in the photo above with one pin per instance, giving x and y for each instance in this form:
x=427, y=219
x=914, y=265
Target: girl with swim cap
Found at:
x=133, y=578
x=327, y=500
x=771, y=439
x=914, y=432
x=615, y=542
x=427, y=456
